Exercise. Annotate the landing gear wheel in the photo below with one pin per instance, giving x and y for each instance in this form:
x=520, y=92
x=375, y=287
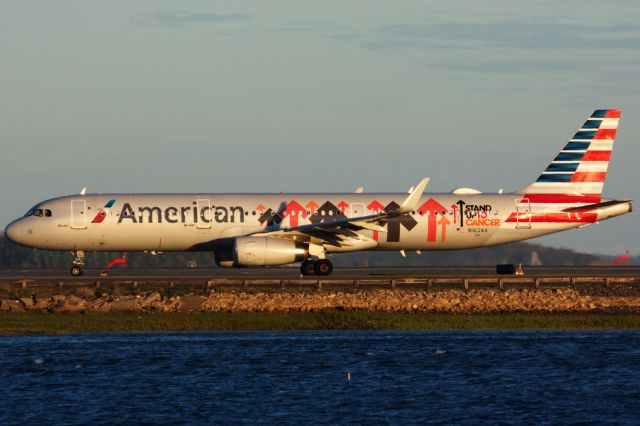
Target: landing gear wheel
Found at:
x=76, y=271
x=78, y=263
x=307, y=268
x=323, y=267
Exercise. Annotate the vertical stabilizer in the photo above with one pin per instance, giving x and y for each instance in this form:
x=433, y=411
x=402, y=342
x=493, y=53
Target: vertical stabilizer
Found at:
x=578, y=172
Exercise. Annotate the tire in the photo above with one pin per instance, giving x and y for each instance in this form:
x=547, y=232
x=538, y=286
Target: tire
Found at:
x=76, y=271
x=307, y=268
x=323, y=267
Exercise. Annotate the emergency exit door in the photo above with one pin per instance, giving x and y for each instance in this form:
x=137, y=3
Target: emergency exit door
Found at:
x=523, y=213
x=78, y=214
x=204, y=215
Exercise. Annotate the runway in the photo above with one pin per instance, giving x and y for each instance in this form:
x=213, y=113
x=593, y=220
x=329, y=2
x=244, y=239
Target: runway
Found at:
x=288, y=273
x=289, y=277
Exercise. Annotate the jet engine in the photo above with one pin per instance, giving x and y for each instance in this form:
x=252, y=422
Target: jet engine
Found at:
x=262, y=251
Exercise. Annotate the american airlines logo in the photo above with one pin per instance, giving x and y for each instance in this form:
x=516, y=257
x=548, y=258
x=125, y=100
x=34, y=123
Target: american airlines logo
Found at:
x=182, y=214
x=102, y=213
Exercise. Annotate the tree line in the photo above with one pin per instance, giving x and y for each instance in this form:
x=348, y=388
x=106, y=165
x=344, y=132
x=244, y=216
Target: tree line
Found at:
x=15, y=256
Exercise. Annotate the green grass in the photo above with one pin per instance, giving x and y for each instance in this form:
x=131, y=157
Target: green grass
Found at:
x=13, y=324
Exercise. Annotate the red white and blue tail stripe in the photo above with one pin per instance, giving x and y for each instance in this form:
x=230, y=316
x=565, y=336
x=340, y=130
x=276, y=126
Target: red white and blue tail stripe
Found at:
x=578, y=172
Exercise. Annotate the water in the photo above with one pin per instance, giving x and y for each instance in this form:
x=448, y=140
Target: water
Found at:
x=396, y=377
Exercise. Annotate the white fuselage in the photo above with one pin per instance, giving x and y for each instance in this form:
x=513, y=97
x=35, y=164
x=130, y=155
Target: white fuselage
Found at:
x=180, y=222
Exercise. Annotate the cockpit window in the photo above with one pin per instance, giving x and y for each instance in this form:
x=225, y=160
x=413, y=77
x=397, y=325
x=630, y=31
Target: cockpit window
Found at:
x=39, y=213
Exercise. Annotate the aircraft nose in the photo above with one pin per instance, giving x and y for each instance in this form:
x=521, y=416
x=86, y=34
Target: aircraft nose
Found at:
x=14, y=231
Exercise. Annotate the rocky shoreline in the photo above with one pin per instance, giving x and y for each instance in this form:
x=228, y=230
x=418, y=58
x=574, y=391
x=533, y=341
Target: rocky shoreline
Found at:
x=481, y=301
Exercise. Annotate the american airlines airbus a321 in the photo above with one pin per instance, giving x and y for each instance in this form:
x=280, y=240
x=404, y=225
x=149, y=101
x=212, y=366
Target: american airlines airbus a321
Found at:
x=277, y=229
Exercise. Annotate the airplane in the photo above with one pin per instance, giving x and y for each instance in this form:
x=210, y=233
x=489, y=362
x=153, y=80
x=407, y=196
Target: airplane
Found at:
x=246, y=230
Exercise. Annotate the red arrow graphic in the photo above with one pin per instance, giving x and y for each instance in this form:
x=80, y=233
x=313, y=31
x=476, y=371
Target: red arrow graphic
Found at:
x=430, y=207
x=312, y=207
x=443, y=230
x=343, y=206
x=375, y=206
x=293, y=211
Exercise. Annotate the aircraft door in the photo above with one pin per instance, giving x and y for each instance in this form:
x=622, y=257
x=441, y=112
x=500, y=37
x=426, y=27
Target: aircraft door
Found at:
x=523, y=214
x=205, y=215
x=78, y=214
x=357, y=209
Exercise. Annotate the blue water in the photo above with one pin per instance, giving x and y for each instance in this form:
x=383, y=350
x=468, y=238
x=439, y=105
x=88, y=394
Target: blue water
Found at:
x=396, y=377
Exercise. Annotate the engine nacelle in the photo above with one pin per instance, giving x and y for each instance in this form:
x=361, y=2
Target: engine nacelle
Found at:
x=262, y=251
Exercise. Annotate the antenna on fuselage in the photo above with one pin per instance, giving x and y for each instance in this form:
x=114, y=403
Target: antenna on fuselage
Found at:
x=359, y=190
x=84, y=191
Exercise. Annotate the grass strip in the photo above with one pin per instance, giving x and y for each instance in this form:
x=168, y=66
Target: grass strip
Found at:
x=16, y=324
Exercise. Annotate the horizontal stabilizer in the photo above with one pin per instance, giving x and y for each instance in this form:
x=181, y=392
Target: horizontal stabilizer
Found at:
x=590, y=207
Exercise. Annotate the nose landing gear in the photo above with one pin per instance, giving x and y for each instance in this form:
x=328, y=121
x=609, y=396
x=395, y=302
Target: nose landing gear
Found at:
x=77, y=269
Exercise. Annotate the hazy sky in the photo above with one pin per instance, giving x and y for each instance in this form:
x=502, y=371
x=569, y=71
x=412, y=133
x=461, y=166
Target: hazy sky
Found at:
x=267, y=96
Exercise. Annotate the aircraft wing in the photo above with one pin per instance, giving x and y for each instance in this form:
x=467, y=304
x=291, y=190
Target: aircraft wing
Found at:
x=343, y=232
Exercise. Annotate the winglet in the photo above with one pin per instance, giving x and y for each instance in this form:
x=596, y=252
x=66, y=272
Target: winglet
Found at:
x=411, y=201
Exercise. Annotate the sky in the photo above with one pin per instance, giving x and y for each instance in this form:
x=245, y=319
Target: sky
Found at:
x=254, y=96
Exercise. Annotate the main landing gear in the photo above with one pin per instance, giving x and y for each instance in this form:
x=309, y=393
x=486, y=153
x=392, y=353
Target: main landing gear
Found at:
x=322, y=267
x=78, y=263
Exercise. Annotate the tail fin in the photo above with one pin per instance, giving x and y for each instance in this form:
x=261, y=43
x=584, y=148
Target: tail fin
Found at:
x=578, y=172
